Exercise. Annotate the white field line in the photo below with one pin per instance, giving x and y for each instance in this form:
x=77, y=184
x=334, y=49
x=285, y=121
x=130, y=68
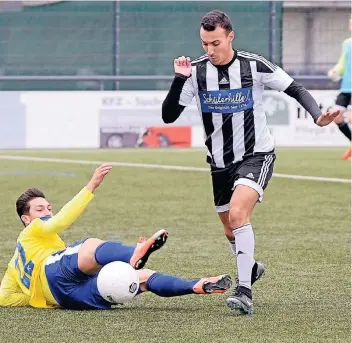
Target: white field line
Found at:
x=121, y=151
x=160, y=166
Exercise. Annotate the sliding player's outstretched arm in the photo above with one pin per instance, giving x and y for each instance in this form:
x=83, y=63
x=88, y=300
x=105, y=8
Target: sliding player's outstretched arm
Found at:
x=73, y=209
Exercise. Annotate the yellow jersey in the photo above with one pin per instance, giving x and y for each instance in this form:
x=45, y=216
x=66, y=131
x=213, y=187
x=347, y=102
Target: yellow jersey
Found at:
x=344, y=66
x=24, y=282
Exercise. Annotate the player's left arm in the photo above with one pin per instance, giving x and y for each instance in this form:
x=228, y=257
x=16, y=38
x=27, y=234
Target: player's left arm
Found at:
x=11, y=294
x=72, y=210
x=65, y=217
x=274, y=77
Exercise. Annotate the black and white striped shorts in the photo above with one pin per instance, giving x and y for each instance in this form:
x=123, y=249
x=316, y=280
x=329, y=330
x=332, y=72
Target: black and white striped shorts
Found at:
x=254, y=171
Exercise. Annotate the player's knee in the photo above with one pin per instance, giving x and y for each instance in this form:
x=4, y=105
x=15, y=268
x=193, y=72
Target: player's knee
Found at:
x=238, y=216
x=90, y=245
x=86, y=255
x=144, y=275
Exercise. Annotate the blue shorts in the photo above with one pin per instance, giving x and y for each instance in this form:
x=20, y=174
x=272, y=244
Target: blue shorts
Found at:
x=72, y=288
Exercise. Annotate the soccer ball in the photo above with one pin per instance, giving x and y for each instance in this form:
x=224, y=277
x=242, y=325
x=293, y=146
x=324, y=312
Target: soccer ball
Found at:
x=118, y=282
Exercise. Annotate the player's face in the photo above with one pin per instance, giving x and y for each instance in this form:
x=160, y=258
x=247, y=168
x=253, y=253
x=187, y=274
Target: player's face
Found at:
x=38, y=207
x=217, y=44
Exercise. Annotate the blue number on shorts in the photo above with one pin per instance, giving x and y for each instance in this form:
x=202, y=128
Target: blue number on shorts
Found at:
x=27, y=267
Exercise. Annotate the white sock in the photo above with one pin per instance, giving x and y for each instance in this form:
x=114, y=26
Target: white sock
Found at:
x=245, y=254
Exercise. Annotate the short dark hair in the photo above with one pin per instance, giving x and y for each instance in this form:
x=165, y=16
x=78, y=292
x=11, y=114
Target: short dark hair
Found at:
x=22, y=203
x=214, y=19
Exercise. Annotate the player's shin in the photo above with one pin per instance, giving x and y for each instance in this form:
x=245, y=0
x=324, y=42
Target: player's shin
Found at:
x=169, y=286
x=113, y=251
x=345, y=129
x=245, y=254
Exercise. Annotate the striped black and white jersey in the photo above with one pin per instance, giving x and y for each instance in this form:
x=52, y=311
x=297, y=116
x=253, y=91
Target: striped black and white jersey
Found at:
x=230, y=101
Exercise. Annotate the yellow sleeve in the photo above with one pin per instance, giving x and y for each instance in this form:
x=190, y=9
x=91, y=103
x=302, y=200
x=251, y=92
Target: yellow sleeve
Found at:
x=11, y=294
x=65, y=218
x=339, y=67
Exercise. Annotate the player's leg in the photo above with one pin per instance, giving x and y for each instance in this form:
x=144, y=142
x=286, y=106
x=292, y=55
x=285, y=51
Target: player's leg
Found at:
x=342, y=102
x=222, y=181
x=96, y=253
x=85, y=293
x=74, y=286
x=258, y=267
x=252, y=178
x=165, y=285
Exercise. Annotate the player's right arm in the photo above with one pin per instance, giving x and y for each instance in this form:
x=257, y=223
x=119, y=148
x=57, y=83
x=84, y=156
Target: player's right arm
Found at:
x=274, y=77
x=72, y=210
x=11, y=294
x=181, y=91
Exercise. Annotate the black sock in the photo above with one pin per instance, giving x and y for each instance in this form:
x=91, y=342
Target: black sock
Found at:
x=344, y=128
x=254, y=272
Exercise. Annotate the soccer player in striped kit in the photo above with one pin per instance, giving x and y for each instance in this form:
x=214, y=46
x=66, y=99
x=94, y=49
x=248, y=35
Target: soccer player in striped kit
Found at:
x=228, y=85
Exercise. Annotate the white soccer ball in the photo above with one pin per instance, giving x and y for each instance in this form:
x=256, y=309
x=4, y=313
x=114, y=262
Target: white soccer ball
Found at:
x=118, y=282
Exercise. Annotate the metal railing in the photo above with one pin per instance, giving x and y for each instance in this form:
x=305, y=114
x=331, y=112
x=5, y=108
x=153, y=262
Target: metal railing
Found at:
x=104, y=78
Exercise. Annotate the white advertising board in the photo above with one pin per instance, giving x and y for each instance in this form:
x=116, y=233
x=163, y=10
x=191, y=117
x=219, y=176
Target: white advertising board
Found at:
x=81, y=119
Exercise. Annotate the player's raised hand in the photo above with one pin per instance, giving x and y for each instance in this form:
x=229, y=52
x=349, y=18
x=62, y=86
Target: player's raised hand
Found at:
x=334, y=75
x=327, y=118
x=98, y=176
x=182, y=65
